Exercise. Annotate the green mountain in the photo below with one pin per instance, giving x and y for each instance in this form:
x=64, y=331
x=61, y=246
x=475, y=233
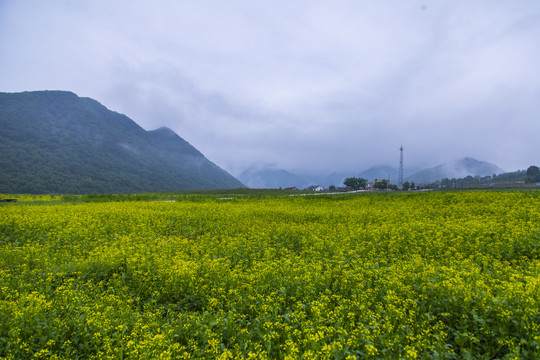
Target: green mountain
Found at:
x=57, y=142
x=455, y=169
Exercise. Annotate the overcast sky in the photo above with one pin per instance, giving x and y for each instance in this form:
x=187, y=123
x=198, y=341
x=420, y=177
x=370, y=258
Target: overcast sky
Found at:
x=300, y=84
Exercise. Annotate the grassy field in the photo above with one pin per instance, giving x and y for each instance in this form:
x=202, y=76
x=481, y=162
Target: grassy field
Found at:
x=433, y=275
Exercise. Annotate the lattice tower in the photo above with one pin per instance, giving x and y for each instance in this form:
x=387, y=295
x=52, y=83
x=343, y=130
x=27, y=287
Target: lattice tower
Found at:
x=400, y=183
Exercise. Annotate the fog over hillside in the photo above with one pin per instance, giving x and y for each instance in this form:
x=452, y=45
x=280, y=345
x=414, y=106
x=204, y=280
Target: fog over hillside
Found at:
x=456, y=169
x=269, y=176
x=57, y=142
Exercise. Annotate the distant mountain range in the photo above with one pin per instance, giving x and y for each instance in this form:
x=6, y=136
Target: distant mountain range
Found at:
x=455, y=169
x=57, y=142
x=264, y=177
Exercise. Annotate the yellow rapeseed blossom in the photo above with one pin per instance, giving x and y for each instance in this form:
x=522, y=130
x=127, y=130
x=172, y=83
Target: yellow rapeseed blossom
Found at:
x=421, y=275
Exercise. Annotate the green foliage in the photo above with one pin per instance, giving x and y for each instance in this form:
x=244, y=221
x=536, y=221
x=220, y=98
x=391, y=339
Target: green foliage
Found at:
x=355, y=183
x=533, y=174
x=381, y=184
x=409, y=185
x=434, y=275
x=56, y=142
x=509, y=180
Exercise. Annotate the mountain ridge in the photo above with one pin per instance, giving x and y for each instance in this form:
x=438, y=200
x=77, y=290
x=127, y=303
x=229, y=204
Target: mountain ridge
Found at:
x=57, y=142
x=273, y=177
x=459, y=168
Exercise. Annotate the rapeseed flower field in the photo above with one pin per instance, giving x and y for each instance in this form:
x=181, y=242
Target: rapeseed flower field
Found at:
x=438, y=275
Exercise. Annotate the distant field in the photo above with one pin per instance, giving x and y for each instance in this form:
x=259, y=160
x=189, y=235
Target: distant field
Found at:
x=433, y=275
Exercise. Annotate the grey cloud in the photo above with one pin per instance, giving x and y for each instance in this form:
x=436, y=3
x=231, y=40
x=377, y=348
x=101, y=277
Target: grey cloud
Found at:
x=307, y=85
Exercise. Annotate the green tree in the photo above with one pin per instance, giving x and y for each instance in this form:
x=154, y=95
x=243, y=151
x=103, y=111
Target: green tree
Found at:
x=361, y=182
x=533, y=174
x=355, y=183
x=381, y=184
x=406, y=185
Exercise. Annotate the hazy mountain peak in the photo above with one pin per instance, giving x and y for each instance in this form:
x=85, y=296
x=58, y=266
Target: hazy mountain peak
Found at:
x=459, y=168
x=165, y=131
x=268, y=176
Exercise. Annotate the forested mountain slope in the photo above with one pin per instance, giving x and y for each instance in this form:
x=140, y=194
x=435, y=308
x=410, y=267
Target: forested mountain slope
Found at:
x=57, y=142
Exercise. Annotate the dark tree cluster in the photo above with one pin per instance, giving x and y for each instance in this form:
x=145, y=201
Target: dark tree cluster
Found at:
x=408, y=185
x=533, y=174
x=355, y=183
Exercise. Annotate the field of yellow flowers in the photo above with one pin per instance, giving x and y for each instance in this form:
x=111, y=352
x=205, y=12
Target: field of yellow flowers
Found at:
x=438, y=275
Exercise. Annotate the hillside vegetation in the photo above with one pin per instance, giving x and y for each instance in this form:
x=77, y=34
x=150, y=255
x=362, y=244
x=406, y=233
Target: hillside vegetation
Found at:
x=57, y=142
x=455, y=169
x=433, y=275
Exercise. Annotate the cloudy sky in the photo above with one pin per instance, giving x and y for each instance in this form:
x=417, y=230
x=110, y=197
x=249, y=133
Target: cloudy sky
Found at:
x=303, y=85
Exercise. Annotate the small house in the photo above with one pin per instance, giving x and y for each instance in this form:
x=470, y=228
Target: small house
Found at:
x=315, y=188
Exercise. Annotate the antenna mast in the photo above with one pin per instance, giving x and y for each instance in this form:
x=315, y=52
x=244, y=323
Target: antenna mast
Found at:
x=400, y=182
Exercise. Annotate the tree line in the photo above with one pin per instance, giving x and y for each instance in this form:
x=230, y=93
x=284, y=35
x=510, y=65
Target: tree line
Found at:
x=356, y=183
x=531, y=175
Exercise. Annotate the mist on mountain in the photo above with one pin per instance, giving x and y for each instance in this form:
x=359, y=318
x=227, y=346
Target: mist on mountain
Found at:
x=57, y=142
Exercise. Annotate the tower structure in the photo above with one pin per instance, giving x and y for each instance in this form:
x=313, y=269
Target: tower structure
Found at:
x=400, y=181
